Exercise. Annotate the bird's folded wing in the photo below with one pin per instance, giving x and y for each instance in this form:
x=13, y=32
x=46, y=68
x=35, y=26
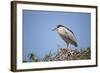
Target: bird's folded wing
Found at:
x=72, y=38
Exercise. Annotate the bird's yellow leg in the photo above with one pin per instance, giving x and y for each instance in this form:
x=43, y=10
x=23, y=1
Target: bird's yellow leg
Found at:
x=67, y=45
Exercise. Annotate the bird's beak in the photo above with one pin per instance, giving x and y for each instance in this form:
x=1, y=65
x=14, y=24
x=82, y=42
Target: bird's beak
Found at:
x=54, y=29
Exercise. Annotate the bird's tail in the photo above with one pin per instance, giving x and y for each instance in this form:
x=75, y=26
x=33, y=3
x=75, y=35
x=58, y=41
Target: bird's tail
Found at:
x=75, y=44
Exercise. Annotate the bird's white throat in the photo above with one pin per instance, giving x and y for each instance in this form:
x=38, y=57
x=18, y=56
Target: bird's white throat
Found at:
x=61, y=31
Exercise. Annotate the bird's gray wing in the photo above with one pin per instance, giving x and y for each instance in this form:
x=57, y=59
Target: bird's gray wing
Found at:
x=72, y=38
x=69, y=30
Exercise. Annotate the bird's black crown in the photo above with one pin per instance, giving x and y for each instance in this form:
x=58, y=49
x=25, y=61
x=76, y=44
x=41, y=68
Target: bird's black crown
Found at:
x=60, y=26
x=64, y=27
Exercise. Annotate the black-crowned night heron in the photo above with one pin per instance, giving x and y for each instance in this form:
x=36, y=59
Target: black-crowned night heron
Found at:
x=66, y=34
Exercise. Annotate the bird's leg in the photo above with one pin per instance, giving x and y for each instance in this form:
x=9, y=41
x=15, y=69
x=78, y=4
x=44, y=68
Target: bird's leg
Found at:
x=69, y=50
x=67, y=45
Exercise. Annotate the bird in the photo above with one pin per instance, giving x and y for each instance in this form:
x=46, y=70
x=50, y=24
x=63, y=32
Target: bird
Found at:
x=66, y=34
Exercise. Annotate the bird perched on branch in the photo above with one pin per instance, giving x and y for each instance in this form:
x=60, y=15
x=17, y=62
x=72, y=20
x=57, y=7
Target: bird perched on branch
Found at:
x=66, y=34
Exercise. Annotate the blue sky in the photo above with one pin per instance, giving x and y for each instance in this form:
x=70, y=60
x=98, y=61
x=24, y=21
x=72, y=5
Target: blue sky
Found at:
x=39, y=38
